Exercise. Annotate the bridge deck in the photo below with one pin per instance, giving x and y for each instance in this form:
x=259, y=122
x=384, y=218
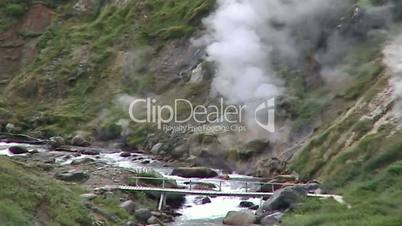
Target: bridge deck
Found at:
x=194, y=192
x=212, y=193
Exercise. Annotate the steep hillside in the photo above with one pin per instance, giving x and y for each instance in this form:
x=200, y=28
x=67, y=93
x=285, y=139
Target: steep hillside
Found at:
x=358, y=155
x=73, y=67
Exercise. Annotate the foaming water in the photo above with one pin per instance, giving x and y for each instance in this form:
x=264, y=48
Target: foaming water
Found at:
x=193, y=213
x=4, y=148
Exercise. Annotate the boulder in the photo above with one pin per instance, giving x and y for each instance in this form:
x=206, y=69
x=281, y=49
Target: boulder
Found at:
x=283, y=199
x=90, y=152
x=125, y=154
x=56, y=142
x=143, y=214
x=246, y=204
x=156, y=148
x=202, y=200
x=180, y=151
x=271, y=186
x=271, y=219
x=45, y=157
x=17, y=150
x=129, y=206
x=152, y=220
x=34, y=151
x=11, y=128
x=80, y=140
x=194, y=172
x=72, y=176
x=270, y=167
x=239, y=218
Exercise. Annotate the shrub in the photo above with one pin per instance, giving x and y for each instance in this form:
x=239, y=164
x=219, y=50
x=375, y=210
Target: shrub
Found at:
x=14, y=9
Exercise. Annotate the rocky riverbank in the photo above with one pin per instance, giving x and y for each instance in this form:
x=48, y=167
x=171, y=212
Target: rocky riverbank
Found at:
x=95, y=168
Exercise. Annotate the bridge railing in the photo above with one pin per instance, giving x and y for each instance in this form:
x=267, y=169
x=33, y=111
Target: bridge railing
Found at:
x=189, y=184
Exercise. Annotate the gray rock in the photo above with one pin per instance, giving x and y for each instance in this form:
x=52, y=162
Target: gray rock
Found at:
x=143, y=214
x=34, y=151
x=156, y=148
x=11, y=128
x=56, y=142
x=239, y=218
x=197, y=74
x=90, y=152
x=82, y=161
x=194, y=172
x=17, y=150
x=272, y=219
x=246, y=204
x=125, y=154
x=72, y=176
x=130, y=223
x=129, y=206
x=45, y=157
x=202, y=200
x=283, y=199
x=180, y=151
x=147, y=161
x=80, y=140
x=152, y=220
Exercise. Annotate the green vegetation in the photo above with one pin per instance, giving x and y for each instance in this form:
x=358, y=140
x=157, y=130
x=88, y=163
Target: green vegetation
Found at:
x=364, y=168
x=27, y=196
x=173, y=19
x=75, y=71
x=366, y=76
x=374, y=201
x=12, y=10
x=139, y=135
x=111, y=205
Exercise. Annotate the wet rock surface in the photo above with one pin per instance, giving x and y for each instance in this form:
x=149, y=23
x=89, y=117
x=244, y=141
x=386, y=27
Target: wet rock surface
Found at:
x=283, y=199
x=239, y=218
x=17, y=150
x=194, y=172
x=72, y=176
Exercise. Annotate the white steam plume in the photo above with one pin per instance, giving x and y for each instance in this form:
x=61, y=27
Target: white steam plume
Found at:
x=245, y=36
x=236, y=44
x=393, y=60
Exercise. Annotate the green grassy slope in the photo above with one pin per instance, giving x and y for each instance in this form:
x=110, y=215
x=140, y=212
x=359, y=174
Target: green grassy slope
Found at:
x=359, y=156
x=76, y=74
x=27, y=196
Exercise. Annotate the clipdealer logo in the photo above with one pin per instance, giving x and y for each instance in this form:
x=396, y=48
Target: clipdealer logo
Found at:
x=148, y=110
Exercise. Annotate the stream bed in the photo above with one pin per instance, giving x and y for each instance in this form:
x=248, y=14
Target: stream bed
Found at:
x=193, y=213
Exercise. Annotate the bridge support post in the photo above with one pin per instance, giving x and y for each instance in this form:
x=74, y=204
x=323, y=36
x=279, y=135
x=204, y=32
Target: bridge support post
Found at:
x=162, y=201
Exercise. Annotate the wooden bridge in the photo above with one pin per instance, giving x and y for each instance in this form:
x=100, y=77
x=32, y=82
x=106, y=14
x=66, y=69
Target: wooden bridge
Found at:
x=249, y=188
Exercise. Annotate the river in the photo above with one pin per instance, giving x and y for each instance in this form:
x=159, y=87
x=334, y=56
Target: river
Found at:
x=193, y=213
